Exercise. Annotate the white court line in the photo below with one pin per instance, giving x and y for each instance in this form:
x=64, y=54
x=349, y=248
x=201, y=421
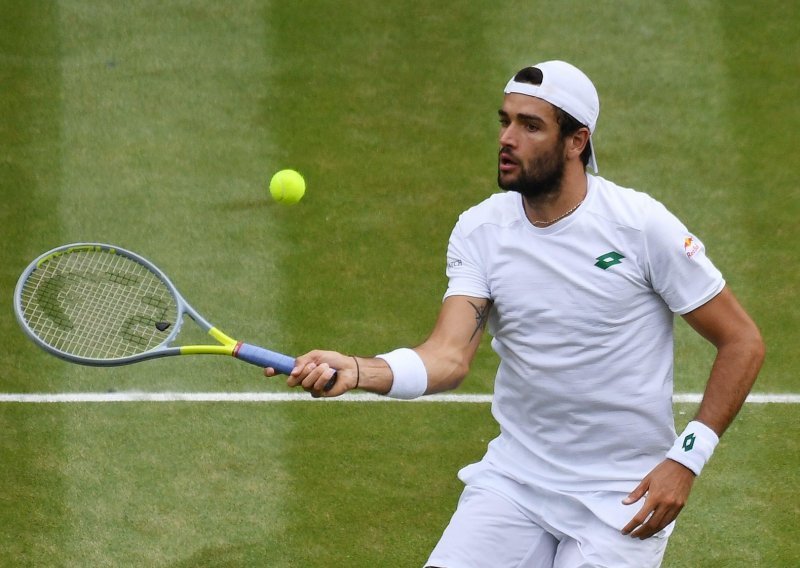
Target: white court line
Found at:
x=138, y=396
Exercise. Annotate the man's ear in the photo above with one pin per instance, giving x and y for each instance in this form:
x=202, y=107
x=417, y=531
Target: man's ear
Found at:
x=577, y=142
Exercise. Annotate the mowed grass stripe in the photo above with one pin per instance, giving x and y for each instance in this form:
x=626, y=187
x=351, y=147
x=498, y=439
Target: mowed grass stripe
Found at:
x=763, y=73
x=165, y=152
x=32, y=509
x=383, y=106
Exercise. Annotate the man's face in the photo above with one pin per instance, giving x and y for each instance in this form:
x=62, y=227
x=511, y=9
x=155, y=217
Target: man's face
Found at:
x=532, y=158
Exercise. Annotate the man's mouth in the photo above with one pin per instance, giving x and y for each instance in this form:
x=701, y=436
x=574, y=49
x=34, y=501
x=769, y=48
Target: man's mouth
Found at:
x=506, y=162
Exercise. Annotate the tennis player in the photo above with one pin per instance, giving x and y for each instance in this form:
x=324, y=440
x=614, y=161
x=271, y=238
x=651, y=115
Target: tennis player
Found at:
x=578, y=280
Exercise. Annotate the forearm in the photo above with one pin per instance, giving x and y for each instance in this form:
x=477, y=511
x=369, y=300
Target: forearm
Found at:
x=403, y=373
x=732, y=376
x=446, y=355
x=442, y=371
x=666, y=488
x=740, y=353
x=374, y=375
x=438, y=364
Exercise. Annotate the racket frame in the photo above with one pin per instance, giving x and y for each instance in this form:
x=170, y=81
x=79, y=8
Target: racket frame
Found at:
x=227, y=345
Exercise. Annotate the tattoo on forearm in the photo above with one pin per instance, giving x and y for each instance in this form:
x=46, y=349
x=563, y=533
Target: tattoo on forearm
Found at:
x=481, y=317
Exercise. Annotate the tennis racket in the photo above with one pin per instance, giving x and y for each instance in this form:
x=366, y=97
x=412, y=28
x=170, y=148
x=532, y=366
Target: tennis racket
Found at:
x=101, y=305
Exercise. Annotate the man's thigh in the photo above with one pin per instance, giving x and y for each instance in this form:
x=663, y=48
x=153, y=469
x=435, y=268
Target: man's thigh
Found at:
x=488, y=530
x=590, y=522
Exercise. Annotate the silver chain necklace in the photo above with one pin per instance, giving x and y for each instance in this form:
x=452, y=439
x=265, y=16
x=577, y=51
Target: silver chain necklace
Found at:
x=551, y=221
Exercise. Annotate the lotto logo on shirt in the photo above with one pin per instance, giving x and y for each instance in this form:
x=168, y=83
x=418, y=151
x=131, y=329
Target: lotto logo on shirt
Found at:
x=692, y=246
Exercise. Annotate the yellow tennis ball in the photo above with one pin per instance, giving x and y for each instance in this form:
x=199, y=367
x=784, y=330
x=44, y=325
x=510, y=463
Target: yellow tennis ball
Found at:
x=287, y=187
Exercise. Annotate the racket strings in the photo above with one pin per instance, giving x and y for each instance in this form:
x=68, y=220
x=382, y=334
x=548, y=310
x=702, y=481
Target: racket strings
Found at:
x=97, y=304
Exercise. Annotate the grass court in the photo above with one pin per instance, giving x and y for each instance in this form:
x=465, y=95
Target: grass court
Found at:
x=156, y=126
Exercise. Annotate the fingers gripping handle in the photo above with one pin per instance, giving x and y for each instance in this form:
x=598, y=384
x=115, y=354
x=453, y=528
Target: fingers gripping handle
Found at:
x=265, y=358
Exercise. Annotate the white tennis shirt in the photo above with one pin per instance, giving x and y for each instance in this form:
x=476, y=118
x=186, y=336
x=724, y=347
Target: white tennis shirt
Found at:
x=583, y=323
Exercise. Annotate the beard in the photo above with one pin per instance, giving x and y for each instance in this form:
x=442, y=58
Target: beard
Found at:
x=538, y=178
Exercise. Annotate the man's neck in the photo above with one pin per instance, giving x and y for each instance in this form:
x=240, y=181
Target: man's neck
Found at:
x=548, y=209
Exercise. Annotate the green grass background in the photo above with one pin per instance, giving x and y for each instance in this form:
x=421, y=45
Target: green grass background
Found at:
x=156, y=125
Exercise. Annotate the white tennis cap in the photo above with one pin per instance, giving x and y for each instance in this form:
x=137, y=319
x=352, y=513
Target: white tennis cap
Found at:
x=563, y=86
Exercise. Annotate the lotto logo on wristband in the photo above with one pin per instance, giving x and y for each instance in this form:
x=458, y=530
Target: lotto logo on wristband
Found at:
x=694, y=446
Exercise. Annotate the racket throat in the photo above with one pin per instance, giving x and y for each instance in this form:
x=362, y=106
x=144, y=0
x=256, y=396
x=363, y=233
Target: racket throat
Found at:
x=236, y=348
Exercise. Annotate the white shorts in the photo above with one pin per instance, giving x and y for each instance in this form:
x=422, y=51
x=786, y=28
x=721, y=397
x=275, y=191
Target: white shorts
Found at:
x=500, y=523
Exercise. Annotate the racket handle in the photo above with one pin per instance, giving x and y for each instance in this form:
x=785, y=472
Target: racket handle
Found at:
x=265, y=358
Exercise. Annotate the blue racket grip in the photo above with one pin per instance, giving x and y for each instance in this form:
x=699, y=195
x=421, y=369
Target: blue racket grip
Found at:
x=265, y=358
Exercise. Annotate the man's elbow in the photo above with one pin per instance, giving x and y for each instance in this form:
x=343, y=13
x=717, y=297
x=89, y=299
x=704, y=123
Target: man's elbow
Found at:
x=758, y=348
x=458, y=372
x=751, y=346
x=451, y=375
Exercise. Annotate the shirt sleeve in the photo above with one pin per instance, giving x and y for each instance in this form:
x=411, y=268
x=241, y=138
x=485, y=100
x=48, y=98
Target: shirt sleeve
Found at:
x=680, y=271
x=465, y=270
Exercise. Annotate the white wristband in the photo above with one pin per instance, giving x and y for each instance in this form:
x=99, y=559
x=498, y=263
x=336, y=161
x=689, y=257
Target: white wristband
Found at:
x=694, y=446
x=410, y=376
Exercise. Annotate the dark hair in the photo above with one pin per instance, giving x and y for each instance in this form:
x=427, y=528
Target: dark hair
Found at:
x=567, y=124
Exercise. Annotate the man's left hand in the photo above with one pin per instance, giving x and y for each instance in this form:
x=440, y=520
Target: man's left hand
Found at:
x=665, y=490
